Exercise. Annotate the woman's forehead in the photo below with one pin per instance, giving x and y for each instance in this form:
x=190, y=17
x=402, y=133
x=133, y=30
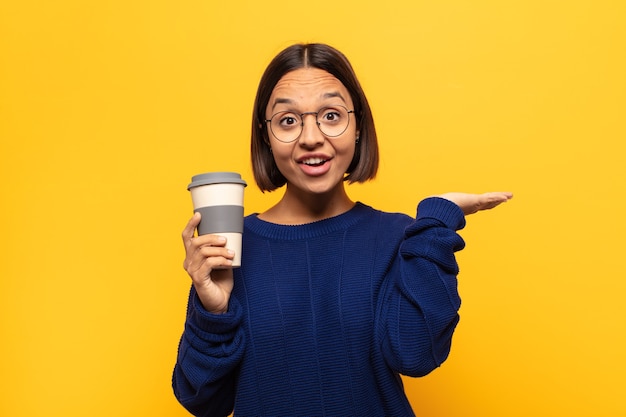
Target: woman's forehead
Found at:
x=308, y=84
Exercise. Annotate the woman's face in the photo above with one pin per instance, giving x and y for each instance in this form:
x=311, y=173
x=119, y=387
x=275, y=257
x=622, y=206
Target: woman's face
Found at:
x=313, y=162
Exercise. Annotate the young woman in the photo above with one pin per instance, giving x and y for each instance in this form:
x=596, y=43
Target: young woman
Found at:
x=334, y=299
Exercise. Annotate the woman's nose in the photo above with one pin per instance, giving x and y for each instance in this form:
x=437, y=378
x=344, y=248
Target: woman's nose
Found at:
x=311, y=133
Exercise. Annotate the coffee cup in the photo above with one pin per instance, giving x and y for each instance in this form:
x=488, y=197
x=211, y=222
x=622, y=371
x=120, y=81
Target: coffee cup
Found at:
x=218, y=197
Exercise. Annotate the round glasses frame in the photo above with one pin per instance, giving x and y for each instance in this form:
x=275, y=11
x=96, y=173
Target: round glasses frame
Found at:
x=299, y=117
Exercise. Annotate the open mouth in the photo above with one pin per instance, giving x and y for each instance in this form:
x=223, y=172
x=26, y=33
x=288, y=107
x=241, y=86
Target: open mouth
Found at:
x=313, y=162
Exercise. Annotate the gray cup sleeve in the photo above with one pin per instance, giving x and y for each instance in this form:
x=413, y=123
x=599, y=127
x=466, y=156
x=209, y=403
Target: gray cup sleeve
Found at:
x=220, y=219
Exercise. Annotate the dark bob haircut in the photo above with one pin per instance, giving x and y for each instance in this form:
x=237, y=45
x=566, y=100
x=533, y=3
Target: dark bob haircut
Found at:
x=364, y=165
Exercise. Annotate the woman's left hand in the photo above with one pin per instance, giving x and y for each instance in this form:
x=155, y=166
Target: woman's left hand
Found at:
x=471, y=203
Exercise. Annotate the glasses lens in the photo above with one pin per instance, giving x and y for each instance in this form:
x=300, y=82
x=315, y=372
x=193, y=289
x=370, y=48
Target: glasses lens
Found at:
x=286, y=126
x=333, y=121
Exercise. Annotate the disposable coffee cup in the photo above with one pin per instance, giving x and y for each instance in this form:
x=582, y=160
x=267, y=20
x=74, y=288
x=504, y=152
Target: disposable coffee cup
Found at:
x=218, y=197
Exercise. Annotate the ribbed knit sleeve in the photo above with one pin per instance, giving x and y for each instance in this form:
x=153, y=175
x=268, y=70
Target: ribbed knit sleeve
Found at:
x=210, y=349
x=419, y=309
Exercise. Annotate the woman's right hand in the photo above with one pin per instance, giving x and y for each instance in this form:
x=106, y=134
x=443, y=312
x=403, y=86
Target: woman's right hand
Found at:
x=208, y=263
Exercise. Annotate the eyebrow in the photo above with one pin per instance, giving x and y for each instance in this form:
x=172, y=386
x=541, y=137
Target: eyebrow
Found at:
x=282, y=101
x=331, y=94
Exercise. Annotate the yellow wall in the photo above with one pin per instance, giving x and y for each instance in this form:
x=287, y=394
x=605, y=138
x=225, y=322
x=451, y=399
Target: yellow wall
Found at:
x=107, y=109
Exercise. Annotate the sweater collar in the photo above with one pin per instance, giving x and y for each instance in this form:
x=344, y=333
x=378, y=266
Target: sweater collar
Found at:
x=304, y=231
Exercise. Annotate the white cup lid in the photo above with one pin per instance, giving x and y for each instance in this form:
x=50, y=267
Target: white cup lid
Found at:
x=216, y=178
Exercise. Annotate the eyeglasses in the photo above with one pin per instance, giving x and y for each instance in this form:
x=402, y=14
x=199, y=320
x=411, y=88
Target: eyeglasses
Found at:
x=332, y=122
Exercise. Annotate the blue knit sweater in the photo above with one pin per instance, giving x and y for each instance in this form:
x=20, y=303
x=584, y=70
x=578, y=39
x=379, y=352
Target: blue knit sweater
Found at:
x=325, y=316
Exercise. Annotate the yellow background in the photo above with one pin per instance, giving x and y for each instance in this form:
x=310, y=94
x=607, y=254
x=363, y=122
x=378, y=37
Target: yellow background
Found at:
x=108, y=108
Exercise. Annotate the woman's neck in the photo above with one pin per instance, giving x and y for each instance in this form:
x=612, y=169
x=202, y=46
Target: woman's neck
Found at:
x=301, y=208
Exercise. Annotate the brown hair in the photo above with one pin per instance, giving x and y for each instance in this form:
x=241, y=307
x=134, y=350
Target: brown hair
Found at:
x=365, y=162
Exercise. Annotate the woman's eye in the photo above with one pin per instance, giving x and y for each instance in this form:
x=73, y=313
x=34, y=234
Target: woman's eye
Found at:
x=331, y=116
x=288, y=121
